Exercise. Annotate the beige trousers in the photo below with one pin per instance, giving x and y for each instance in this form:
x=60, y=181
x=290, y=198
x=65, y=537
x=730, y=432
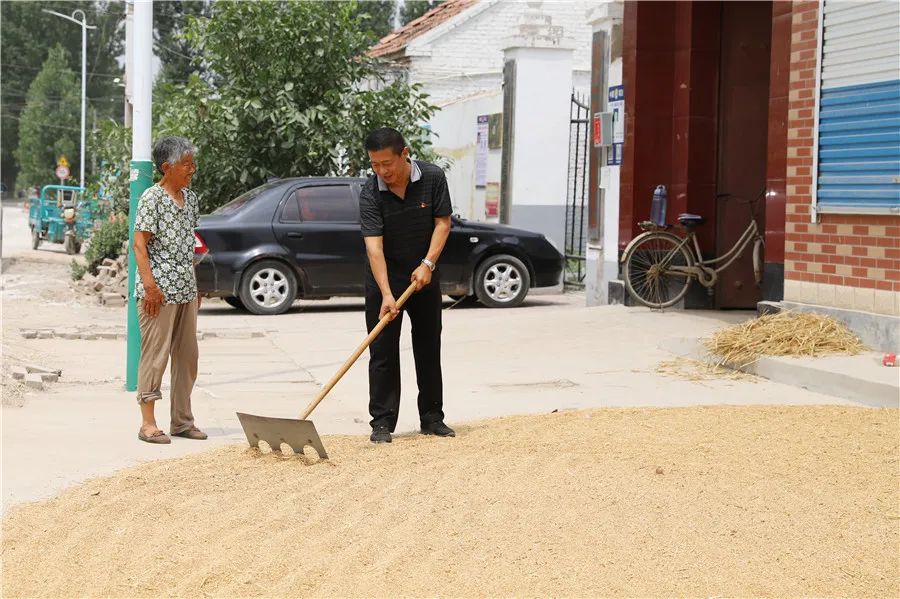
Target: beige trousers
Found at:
x=171, y=334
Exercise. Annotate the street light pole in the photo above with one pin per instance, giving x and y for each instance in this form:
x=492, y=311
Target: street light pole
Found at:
x=139, y=78
x=84, y=28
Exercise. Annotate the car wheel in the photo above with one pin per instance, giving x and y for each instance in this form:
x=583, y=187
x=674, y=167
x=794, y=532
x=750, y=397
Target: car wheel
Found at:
x=502, y=281
x=235, y=302
x=268, y=287
x=70, y=245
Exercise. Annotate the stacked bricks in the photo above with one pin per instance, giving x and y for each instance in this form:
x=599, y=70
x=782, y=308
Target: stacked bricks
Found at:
x=110, y=285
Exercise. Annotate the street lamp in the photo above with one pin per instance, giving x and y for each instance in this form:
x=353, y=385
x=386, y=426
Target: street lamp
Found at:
x=84, y=28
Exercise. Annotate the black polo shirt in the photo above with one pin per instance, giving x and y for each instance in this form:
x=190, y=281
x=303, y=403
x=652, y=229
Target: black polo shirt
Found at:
x=406, y=224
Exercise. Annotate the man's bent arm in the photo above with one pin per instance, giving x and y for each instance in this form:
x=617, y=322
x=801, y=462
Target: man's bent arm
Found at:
x=375, y=252
x=438, y=238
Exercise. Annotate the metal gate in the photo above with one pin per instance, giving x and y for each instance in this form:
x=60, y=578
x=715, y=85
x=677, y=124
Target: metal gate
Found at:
x=576, y=194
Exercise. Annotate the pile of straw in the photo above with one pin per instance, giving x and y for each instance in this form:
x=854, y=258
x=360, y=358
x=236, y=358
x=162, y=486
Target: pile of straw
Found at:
x=783, y=334
x=697, y=371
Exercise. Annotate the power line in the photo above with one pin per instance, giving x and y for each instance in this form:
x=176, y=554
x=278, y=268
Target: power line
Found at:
x=12, y=116
x=18, y=99
x=31, y=68
x=175, y=52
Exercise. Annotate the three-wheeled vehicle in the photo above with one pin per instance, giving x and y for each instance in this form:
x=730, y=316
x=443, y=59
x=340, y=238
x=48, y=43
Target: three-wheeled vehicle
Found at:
x=60, y=215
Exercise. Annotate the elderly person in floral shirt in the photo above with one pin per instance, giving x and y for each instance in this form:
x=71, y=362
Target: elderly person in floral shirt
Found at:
x=167, y=290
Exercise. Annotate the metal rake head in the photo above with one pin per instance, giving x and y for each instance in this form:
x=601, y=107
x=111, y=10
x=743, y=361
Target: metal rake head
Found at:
x=297, y=434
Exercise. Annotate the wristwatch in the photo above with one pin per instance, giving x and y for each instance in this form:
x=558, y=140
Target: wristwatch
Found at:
x=428, y=263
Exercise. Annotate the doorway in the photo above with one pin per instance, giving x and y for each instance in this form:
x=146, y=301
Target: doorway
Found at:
x=746, y=33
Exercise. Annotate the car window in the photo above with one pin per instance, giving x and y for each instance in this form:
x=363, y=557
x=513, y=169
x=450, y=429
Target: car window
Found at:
x=243, y=199
x=291, y=210
x=327, y=203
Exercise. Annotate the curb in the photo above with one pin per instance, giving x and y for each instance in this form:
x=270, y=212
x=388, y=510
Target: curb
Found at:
x=859, y=378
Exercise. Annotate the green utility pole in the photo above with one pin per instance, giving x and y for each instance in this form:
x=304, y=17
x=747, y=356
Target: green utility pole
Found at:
x=141, y=179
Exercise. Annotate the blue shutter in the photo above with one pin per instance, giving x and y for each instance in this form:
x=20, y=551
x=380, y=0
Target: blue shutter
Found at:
x=858, y=165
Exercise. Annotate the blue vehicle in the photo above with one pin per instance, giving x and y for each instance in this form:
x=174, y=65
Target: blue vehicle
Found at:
x=60, y=215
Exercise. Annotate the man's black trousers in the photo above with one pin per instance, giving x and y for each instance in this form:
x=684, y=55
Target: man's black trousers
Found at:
x=424, y=310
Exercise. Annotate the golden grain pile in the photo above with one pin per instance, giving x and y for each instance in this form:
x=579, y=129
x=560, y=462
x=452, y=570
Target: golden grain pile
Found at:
x=783, y=334
x=705, y=501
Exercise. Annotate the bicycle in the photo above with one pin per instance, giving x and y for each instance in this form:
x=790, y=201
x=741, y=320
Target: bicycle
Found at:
x=659, y=266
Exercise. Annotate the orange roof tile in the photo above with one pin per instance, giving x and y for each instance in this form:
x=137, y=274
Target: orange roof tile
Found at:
x=396, y=41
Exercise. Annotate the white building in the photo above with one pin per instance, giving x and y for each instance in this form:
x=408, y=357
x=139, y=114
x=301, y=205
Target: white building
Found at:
x=456, y=52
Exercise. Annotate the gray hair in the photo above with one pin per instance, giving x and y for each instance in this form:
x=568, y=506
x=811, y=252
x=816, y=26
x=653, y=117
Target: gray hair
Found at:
x=171, y=149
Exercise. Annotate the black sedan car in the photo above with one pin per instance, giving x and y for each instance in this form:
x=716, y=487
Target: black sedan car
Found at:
x=299, y=238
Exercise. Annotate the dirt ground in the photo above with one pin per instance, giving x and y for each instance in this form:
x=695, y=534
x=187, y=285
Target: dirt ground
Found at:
x=706, y=501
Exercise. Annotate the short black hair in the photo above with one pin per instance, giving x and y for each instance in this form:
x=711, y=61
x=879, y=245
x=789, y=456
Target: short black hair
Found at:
x=385, y=137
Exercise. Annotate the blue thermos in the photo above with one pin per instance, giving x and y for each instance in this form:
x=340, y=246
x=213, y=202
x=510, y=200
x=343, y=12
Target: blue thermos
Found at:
x=658, y=207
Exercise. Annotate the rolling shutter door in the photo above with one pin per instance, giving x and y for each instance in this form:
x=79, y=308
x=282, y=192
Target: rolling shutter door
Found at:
x=858, y=165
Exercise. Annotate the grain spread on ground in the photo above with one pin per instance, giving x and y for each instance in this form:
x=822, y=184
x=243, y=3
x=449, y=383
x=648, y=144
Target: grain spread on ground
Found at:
x=706, y=501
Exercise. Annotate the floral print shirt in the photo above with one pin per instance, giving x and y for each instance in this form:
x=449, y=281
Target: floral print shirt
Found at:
x=171, y=248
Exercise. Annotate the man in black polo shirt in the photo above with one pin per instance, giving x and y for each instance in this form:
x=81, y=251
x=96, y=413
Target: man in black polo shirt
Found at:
x=405, y=212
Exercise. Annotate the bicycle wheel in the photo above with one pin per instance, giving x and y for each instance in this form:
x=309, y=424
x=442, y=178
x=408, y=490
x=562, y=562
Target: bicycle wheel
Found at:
x=649, y=277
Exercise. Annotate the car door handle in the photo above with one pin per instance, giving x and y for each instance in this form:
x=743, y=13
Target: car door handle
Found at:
x=295, y=235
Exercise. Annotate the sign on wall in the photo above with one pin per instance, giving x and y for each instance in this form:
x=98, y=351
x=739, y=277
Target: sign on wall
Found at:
x=616, y=102
x=492, y=200
x=481, y=150
x=495, y=131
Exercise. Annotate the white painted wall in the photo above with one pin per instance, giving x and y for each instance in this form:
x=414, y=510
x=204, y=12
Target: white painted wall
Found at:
x=540, y=164
x=469, y=57
x=609, y=180
x=602, y=257
x=463, y=64
x=457, y=122
x=540, y=157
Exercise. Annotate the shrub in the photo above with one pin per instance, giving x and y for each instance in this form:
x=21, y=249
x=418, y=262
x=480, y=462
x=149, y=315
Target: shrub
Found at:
x=77, y=269
x=106, y=242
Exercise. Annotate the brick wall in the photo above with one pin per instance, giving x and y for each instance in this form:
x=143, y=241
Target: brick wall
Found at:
x=842, y=261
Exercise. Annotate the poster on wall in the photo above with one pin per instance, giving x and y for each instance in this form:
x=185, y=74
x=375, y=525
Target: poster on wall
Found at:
x=492, y=200
x=481, y=150
x=616, y=101
x=495, y=131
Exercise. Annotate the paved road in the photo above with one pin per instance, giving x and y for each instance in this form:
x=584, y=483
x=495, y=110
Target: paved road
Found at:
x=550, y=354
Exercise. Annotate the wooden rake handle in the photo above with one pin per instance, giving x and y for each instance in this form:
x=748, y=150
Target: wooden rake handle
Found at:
x=356, y=353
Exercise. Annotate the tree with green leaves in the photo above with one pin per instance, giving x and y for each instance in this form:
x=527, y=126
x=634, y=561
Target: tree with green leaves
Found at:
x=50, y=121
x=170, y=21
x=377, y=17
x=26, y=36
x=411, y=10
x=110, y=143
x=303, y=104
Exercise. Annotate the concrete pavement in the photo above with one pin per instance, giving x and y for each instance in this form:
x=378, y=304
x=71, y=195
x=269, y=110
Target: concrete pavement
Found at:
x=550, y=354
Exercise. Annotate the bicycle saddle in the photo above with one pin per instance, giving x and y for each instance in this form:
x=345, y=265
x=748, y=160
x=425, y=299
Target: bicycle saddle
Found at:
x=691, y=220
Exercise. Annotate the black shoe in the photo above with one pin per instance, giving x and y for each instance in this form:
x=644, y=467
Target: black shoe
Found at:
x=380, y=434
x=437, y=428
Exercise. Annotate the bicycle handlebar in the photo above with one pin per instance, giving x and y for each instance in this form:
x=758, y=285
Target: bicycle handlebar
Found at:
x=742, y=200
x=752, y=204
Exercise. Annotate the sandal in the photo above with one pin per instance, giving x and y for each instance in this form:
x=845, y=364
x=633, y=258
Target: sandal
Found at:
x=158, y=437
x=192, y=433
